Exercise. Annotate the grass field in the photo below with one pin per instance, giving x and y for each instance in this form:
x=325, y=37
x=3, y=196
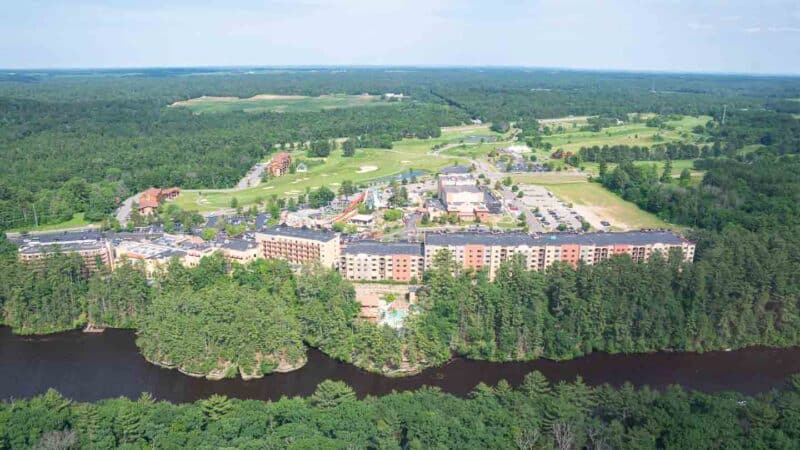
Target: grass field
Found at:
x=77, y=221
x=591, y=168
x=572, y=139
x=549, y=179
x=366, y=165
x=595, y=204
x=277, y=103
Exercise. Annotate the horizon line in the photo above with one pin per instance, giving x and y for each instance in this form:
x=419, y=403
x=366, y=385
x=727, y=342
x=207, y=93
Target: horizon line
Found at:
x=404, y=66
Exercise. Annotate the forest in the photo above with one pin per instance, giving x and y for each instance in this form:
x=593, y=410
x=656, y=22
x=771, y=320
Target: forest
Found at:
x=63, y=155
x=77, y=142
x=535, y=415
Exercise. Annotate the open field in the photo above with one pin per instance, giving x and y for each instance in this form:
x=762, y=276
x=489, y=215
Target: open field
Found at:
x=277, y=103
x=77, y=221
x=549, y=178
x=591, y=168
x=595, y=204
x=367, y=165
x=572, y=139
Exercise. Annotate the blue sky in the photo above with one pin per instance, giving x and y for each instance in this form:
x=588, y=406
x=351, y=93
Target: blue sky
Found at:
x=757, y=36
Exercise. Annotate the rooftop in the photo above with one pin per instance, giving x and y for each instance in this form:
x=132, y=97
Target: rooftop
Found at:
x=64, y=247
x=471, y=188
x=239, y=245
x=64, y=236
x=515, y=239
x=499, y=239
x=383, y=248
x=454, y=170
x=606, y=239
x=302, y=233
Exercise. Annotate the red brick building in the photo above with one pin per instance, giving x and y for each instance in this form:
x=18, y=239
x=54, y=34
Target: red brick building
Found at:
x=279, y=164
x=151, y=198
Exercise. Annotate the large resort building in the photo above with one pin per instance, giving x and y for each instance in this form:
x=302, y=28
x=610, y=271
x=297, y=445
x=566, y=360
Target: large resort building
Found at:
x=300, y=245
x=91, y=246
x=489, y=250
x=401, y=262
x=374, y=261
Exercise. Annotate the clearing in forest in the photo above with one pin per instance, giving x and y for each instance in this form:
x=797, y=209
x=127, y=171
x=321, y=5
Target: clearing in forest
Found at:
x=276, y=103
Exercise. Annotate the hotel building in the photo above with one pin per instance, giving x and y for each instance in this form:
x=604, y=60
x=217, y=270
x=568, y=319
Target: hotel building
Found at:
x=92, y=247
x=489, y=250
x=381, y=261
x=299, y=245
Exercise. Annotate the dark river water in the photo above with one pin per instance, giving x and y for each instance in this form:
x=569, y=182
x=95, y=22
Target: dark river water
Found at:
x=88, y=367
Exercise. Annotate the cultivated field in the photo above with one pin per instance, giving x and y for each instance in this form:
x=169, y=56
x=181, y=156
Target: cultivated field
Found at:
x=277, y=103
x=367, y=165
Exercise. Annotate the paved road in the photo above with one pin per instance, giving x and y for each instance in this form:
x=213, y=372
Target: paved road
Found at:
x=252, y=177
x=124, y=210
x=533, y=223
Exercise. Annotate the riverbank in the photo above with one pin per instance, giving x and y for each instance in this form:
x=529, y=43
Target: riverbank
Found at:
x=89, y=367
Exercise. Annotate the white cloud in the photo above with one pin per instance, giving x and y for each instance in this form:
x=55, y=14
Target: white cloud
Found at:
x=752, y=30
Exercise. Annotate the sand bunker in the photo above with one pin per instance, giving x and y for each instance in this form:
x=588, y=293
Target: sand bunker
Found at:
x=365, y=169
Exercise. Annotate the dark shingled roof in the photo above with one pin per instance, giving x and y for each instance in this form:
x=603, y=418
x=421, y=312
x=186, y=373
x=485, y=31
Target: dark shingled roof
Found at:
x=606, y=239
x=514, y=239
x=67, y=236
x=303, y=233
x=454, y=169
x=462, y=188
x=66, y=247
x=261, y=221
x=239, y=245
x=500, y=239
x=383, y=248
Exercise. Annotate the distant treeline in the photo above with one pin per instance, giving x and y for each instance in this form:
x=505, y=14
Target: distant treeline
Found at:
x=658, y=152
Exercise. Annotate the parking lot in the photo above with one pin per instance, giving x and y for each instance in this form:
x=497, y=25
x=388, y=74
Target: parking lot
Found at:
x=548, y=210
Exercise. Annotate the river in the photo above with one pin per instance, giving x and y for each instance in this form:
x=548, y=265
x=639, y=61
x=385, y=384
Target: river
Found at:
x=88, y=367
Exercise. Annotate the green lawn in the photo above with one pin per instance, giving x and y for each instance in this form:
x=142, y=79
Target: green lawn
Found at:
x=596, y=203
x=678, y=165
x=572, y=139
x=283, y=103
x=367, y=164
x=549, y=178
x=77, y=221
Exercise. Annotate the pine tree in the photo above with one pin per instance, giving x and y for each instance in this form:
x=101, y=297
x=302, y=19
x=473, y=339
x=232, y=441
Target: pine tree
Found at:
x=216, y=406
x=330, y=394
x=666, y=176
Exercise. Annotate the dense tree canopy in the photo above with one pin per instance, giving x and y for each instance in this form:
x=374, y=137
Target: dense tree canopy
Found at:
x=536, y=415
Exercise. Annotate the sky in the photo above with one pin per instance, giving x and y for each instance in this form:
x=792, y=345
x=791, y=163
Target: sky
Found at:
x=742, y=36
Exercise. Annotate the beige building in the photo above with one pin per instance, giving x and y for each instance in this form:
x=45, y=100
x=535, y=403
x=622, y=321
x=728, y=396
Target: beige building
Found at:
x=382, y=261
x=92, y=247
x=241, y=251
x=149, y=255
x=299, y=245
x=489, y=250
